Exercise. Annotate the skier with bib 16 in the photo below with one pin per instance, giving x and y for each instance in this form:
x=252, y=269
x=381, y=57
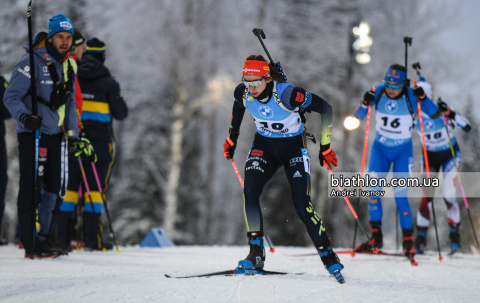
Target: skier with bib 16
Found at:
x=394, y=103
x=280, y=140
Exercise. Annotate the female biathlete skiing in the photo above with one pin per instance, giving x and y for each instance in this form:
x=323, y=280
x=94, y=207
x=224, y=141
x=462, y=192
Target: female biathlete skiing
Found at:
x=280, y=140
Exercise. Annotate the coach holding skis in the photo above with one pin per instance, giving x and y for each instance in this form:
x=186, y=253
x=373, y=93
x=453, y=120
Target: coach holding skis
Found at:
x=54, y=77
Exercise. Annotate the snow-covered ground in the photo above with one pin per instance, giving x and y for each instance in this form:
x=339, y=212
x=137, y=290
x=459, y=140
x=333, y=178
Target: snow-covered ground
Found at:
x=137, y=275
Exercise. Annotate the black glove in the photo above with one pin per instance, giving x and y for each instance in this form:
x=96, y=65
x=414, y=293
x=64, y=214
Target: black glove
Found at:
x=83, y=145
x=31, y=122
x=328, y=155
x=445, y=110
x=443, y=107
x=368, y=98
x=230, y=144
x=419, y=92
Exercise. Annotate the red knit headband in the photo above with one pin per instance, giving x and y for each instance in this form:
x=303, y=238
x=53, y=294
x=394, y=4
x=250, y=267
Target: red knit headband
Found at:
x=256, y=68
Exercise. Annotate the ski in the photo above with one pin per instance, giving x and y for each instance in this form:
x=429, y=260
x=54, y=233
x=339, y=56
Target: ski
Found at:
x=233, y=272
x=368, y=252
x=380, y=253
x=351, y=252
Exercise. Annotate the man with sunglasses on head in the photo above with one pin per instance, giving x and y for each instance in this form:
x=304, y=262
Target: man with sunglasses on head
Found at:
x=277, y=108
x=395, y=105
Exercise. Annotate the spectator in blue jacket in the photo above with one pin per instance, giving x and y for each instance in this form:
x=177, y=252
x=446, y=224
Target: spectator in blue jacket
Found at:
x=102, y=101
x=54, y=77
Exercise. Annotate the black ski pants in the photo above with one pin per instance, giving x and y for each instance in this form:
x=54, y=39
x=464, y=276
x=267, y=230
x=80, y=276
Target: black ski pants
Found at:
x=92, y=226
x=48, y=177
x=264, y=159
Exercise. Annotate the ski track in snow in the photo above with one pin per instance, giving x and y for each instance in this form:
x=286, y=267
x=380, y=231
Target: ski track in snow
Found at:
x=137, y=275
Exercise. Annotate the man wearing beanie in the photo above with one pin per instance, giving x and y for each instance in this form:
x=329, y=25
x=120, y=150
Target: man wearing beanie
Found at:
x=439, y=153
x=395, y=105
x=78, y=49
x=54, y=76
x=102, y=101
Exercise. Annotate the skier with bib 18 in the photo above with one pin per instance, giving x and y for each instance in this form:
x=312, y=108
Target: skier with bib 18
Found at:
x=280, y=140
x=394, y=110
x=439, y=155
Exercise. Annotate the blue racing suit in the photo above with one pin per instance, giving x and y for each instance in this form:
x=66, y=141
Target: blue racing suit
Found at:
x=393, y=145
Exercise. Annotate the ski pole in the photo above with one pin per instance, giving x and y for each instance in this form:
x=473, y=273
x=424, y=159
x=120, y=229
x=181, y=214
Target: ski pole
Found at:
x=364, y=155
x=427, y=168
x=36, y=140
x=460, y=181
x=84, y=176
x=237, y=172
x=99, y=185
x=79, y=208
x=261, y=35
x=375, y=250
x=269, y=242
x=408, y=42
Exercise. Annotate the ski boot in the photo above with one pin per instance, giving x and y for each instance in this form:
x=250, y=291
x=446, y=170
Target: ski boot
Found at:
x=41, y=250
x=256, y=257
x=377, y=238
x=331, y=261
x=408, y=246
x=421, y=240
x=454, y=233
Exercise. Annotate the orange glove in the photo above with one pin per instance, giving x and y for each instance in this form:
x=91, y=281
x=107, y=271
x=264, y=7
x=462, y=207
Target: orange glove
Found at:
x=229, y=145
x=328, y=155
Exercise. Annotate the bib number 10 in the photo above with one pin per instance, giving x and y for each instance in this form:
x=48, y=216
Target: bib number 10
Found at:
x=275, y=126
x=435, y=136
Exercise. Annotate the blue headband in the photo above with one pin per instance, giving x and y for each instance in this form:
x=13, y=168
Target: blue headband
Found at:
x=395, y=75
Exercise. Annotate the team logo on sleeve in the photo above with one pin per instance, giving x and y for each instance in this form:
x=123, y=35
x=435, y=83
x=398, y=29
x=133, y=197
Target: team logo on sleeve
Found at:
x=265, y=111
x=391, y=106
